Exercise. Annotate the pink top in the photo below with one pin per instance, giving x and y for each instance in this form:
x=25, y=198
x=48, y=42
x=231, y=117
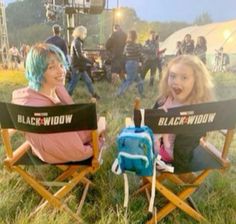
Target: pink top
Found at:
x=56, y=147
x=167, y=149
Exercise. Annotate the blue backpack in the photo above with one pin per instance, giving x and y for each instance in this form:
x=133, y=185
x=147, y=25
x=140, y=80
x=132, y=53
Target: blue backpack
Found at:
x=135, y=147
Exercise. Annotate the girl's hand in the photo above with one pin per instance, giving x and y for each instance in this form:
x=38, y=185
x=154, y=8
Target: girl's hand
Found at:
x=164, y=108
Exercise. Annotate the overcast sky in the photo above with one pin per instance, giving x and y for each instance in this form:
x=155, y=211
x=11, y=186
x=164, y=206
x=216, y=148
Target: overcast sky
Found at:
x=179, y=10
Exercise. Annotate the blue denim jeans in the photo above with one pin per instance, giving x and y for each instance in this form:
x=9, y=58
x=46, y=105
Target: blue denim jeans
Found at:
x=131, y=68
x=75, y=76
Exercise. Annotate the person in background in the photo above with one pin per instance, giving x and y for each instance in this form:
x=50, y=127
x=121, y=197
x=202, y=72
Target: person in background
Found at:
x=57, y=40
x=187, y=81
x=178, y=48
x=201, y=48
x=132, y=52
x=79, y=62
x=15, y=57
x=221, y=60
x=187, y=45
x=160, y=58
x=150, y=62
x=24, y=49
x=45, y=72
x=4, y=58
x=115, y=45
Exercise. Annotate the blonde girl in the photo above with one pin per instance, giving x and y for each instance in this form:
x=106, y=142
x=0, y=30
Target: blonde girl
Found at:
x=186, y=81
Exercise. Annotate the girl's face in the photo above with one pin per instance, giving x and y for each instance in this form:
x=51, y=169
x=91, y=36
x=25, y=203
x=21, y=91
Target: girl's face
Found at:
x=181, y=82
x=55, y=74
x=187, y=38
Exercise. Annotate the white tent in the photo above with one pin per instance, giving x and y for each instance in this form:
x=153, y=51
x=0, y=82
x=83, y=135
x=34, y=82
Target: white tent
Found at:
x=217, y=35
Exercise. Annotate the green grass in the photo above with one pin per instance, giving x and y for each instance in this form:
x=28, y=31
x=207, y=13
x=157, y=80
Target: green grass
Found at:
x=103, y=205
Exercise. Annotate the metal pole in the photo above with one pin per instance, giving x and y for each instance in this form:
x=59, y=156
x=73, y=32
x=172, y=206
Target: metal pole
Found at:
x=70, y=26
x=4, y=45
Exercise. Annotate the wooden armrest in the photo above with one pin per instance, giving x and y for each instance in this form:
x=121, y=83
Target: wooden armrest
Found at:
x=95, y=134
x=11, y=132
x=17, y=154
x=214, y=152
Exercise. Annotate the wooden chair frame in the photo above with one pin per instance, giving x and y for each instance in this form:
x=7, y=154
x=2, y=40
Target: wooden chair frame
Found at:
x=71, y=173
x=190, y=181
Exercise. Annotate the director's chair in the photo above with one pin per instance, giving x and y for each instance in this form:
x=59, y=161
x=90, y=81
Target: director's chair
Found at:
x=63, y=118
x=194, y=157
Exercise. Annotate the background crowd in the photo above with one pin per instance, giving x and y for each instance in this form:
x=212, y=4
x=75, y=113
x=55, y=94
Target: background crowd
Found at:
x=122, y=60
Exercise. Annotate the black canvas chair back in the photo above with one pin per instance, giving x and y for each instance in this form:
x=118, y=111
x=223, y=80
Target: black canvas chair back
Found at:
x=50, y=119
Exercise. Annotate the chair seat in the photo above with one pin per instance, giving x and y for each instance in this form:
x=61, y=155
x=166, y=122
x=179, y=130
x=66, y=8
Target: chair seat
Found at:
x=204, y=159
x=30, y=159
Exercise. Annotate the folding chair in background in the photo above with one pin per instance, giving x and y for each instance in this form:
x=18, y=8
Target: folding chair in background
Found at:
x=63, y=118
x=194, y=157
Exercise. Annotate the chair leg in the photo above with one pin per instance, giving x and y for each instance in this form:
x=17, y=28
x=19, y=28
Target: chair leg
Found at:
x=148, y=194
x=179, y=181
x=178, y=200
x=83, y=198
x=68, y=187
x=192, y=203
x=54, y=200
x=68, y=171
x=60, y=178
x=71, y=171
x=142, y=188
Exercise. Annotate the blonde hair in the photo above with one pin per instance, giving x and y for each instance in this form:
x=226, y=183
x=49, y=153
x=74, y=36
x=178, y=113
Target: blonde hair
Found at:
x=203, y=86
x=79, y=31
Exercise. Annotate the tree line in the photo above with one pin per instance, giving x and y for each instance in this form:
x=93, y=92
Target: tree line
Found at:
x=27, y=23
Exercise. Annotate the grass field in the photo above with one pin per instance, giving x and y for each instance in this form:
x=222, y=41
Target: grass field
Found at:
x=216, y=198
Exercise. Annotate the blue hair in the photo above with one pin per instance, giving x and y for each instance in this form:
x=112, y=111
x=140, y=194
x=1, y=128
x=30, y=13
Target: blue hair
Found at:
x=37, y=62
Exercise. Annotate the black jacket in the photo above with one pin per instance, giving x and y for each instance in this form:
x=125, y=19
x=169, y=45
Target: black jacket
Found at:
x=78, y=60
x=116, y=43
x=187, y=47
x=59, y=42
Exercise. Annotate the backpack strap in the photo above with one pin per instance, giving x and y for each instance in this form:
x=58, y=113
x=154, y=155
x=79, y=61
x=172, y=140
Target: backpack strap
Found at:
x=126, y=190
x=142, y=116
x=153, y=189
x=116, y=169
x=157, y=163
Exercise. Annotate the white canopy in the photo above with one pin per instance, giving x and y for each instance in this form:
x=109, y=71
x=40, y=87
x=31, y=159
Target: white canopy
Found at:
x=217, y=35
